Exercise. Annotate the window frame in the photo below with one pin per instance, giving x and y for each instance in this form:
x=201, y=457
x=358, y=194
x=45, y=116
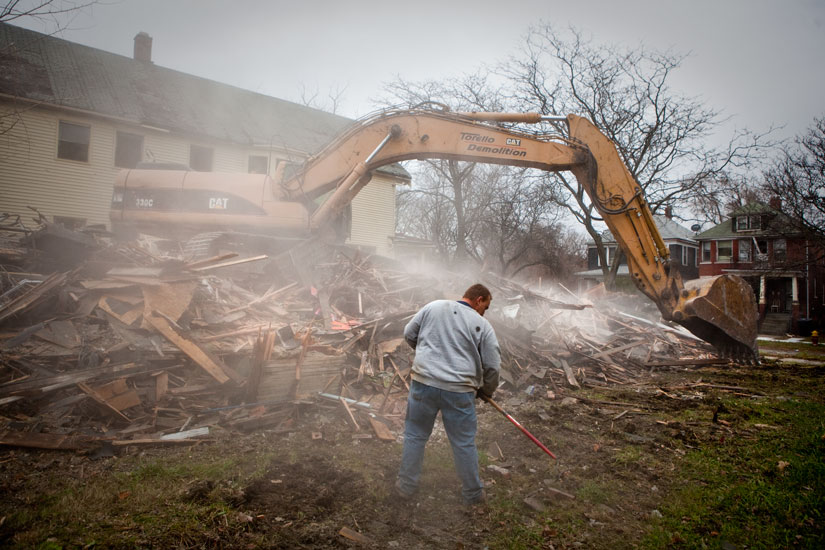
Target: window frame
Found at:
x=745, y=245
x=194, y=152
x=118, y=134
x=64, y=151
x=706, y=252
x=265, y=160
x=724, y=259
x=610, y=254
x=777, y=256
x=686, y=255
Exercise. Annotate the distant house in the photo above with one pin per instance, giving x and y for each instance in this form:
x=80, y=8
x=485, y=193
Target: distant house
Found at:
x=680, y=242
x=756, y=243
x=71, y=116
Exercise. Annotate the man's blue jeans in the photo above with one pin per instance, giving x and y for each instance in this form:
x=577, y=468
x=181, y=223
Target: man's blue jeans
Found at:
x=458, y=413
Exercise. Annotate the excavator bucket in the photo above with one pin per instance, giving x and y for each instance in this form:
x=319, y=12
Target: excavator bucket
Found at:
x=721, y=310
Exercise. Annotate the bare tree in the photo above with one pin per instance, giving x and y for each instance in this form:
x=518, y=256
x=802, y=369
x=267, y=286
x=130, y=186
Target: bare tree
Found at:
x=460, y=185
x=57, y=13
x=798, y=179
x=335, y=96
x=662, y=136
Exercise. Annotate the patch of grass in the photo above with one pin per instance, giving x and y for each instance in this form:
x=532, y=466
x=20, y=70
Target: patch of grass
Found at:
x=593, y=492
x=140, y=501
x=630, y=454
x=758, y=487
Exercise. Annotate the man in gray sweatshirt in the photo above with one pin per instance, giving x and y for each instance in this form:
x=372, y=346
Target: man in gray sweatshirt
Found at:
x=457, y=357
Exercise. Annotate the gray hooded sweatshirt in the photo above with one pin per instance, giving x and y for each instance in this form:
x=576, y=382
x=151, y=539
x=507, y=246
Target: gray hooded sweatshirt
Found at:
x=455, y=348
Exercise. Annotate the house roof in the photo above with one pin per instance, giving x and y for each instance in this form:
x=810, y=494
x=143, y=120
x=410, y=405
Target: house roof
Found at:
x=668, y=229
x=47, y=69
x=778, y=224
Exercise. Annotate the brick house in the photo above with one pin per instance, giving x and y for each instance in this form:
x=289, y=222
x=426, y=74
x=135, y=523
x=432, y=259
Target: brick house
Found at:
x=780, y=264
x=72, y=116
x=680, y=242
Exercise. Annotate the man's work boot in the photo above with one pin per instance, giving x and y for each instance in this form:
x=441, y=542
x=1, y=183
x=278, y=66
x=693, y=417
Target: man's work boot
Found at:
x=401, y=493
x=479, y=500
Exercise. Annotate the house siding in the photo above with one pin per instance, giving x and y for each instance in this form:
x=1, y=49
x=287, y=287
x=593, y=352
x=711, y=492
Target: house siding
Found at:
x=31, y=175
x=373, y=216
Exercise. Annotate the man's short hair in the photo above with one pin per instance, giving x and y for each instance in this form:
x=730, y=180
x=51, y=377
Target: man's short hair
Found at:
x=478, y=290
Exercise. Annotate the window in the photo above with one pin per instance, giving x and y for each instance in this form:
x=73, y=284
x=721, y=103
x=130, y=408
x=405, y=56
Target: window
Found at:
x=200, y=158
x=128, y=150
x=755, y=222
x=687, y=255
x=744, y=223
x=258, y=164
x=73, y=141
x=706, y=257
x=609, y=252
x=780, y=250
x=745, y=251
x=724, y=251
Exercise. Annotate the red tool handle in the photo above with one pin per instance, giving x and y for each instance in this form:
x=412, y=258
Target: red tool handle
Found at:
x=517, y=425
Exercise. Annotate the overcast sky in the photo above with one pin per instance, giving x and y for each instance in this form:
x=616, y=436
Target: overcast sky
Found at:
x=758, y=61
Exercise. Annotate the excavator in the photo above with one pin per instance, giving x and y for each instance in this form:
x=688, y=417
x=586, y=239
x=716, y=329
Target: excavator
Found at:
x=720, y=310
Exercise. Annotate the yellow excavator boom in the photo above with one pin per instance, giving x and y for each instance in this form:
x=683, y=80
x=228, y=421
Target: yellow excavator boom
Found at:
x=720, y=310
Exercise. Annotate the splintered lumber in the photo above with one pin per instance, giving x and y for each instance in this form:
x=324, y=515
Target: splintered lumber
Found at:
x=62, y=333
x=118, y=395
x=32, y=296
x=681, y=362
x=45, y=441
x=210, y=261
x=52, y=383
x=91, y=392
x=568, y=373
x=122, y=311
x=234, y=262
x=349, y=412
x=381, y=430
x=278, y=375
x=216, y=370
x=171, y=299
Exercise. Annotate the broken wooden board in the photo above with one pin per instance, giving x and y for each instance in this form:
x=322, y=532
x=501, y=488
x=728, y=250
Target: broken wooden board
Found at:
x=217, y=370
x=118, y=394
x=278, y=375
x=46, y=440
x=124, y=312
x=62, y=333
x=91, y=392
x=171, y=299
x=381, y=430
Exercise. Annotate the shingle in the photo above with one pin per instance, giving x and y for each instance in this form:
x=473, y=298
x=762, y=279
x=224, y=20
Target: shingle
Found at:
x=44, y=68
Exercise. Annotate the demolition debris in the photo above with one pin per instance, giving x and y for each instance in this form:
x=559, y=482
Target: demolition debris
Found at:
x=105, y=344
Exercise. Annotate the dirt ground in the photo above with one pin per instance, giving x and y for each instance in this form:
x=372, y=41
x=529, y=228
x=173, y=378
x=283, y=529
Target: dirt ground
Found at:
x=619, y=451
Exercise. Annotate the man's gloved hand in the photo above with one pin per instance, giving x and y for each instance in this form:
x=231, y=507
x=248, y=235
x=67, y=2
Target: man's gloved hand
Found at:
x=481, y=394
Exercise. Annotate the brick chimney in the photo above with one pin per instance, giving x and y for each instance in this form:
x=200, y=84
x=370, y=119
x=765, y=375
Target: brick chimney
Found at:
x=669, y=212
x=143, y=47
x=775, y=203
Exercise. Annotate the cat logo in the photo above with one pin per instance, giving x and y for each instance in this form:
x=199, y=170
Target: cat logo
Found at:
x=513, y=141
x=218, y=203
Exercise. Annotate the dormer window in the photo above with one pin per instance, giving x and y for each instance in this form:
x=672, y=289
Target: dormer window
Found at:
x=745, y=223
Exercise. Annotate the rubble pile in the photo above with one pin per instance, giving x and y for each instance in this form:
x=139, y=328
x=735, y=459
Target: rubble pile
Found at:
x=114, y=344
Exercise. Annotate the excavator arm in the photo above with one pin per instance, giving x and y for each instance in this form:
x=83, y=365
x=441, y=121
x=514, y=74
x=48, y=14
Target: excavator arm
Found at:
x=721, y=310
